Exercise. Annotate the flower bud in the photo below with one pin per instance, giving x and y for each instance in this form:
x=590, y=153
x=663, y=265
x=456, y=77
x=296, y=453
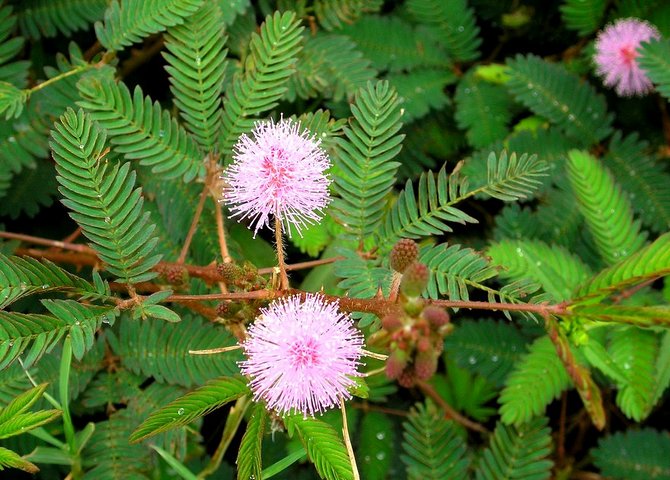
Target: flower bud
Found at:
x=407, y=378
x=414, y=280
x=425, y=365
x=395, y=364
x=391, y=322
x=436, y=316
x=229, y=272
x=404, y=253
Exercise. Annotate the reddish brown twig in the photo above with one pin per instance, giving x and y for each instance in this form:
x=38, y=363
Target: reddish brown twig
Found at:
x=449, y=411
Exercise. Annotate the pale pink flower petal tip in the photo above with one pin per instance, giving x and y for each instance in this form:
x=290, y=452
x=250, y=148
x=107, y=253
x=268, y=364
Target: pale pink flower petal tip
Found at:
x=616, y=56
x=279, y=172
x=302, y=355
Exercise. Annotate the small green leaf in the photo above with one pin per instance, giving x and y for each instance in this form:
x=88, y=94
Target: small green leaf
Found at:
x=249, y=460
x=162, y=313
x=193, y=405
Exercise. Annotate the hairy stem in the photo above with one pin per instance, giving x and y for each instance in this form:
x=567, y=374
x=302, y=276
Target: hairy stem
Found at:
x=347, y=441
x=283, y=278
x=194, y=225
x=229, y=430
x=449, y=411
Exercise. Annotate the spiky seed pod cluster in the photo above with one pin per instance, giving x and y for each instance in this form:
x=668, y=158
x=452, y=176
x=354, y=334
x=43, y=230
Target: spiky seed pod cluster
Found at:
x=174, y=274
x=240, y=277
x=404, y=253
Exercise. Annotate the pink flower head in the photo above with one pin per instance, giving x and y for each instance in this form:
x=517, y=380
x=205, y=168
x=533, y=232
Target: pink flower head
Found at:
x=301, y=355
x=616, y=56
x=279, y=172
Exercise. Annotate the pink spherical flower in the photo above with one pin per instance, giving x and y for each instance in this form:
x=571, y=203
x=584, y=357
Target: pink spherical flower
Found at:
x=616, y=56
x=301, y=355
x=279, y=172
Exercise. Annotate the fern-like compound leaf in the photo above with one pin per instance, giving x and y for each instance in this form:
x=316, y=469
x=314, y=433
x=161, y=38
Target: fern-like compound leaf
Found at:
x=324, y=446
x=11, y=459
x=434, y=447
x=394, y=44
x=195, y=404
x=111, y=455
x=536, y=380
x=634, y=455
x=103, y=199
x=422, y=90
x=21, y=277
x=561, y=97
x=517, y=452
x=141, y=130
x=160, y=349
x=12, y=100
x=607, y=211
x=429, y=210
x=513, y=178
x=197, y=65
x=649, y=262
x=641, y=178
x=331, y=66
x=455, y=23
x=634, y=351
x=48, y=18
x=654, y=60
x=129, y=21
x=13, y=72
x=365, y=159
x=32, y=335
x=483, y=110
x=486, y=347
x=263, y=82
x=333, y=14
x=453, y=269
x=584, y=16
x=249, y=461
x=554, y=267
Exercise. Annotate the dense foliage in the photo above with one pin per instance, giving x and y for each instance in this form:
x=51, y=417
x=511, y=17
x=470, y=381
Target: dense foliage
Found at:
x=480, y=168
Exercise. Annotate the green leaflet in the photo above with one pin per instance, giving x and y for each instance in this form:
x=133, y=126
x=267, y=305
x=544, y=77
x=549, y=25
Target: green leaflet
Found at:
x=366, y=172
x=263, y=82
x=607, y=211
x=195, y=404
x=329, y=65
x=651, y=261
x=128, y=21
x=197, y=66
x=634, y=351
x=21, y=277
x=376, y=442
x=552, y=92
x=140, y=129
x=160, y=349
x=48, y=18
x=486, y=347
x=639, y=175
x=434, y=448
x=557, y=270
x=654, y=61
x=537, y=379
x=394, y=44
x=634, y=455
x=249, y=462
x=427, y=213
x=453, y=269
x=103, y=198
x=334, y=14
x=517, y=452
x=324, y=446
x=584, y=16
x=483, y=109
x=454, y=23
x=32, y=335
